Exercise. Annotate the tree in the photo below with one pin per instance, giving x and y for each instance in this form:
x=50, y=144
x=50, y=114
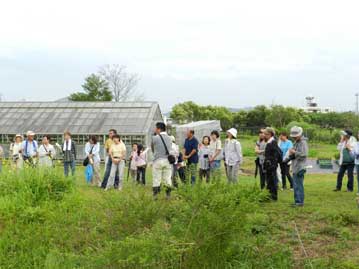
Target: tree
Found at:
x=95, y=89
x=121, y=83
x=279, y=116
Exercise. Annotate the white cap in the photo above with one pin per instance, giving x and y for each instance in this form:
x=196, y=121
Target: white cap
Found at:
x=296, y=131
x=233, y=132
x=30, y=133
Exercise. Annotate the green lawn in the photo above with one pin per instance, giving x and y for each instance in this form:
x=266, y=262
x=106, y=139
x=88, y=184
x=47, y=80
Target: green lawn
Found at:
x=46, y=222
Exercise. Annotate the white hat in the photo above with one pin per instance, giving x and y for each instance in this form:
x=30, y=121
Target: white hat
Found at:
x=30, y=133
x=173, y=139
x=233, y=132
x=296, y=131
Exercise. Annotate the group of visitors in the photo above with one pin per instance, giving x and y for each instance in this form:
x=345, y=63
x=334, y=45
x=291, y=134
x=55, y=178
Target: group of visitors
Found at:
x=201, y=160
x=279, y=154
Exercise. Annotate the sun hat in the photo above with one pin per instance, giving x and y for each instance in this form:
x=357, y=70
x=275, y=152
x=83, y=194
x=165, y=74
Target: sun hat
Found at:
x=30, y=133
x=18, y=135
x=296, y=131
x=233, y=132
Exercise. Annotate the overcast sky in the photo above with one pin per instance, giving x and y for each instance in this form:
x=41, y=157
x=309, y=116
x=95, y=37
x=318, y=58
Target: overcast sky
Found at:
x=232, y=53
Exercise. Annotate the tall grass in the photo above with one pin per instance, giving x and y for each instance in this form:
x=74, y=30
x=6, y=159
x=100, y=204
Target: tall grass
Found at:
x=47, y=222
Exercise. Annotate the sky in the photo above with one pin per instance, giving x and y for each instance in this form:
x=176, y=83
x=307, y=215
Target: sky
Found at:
x=232, y=53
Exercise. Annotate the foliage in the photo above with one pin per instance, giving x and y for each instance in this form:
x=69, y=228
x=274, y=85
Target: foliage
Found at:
x=95, y=89
x=189, y=111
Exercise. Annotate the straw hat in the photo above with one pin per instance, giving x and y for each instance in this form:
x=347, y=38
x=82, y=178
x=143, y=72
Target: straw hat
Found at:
x=30, y=133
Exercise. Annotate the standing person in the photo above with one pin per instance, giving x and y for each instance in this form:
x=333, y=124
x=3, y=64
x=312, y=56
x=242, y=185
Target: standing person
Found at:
x=108, y=160
x=140, y=160
x=259, y=150
x=1, y=157
x=298, y=156
x=162, y=168
x=285, y=145
x=216, y=155
x=133, y=165
x=30, y=149
x=272, y=157
x=176, y=152
x=346, y=148
x=92, y=152
x=47, y=152
x=190, y=154
x=234, y=157
x=204, y=153
x=356, y=162
x=16, y=152
x=118, y=157
x=69, y=151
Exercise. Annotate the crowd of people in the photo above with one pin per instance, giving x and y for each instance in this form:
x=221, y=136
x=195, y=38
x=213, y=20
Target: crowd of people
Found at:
x=196, y=161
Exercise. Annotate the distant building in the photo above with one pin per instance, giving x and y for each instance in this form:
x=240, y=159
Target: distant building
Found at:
x=313, y=107
x=201, y=128
x=134, y=121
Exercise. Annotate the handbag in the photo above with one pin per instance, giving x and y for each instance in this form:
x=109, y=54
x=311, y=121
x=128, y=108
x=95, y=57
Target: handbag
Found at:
x=170, y=157
x=347, y=157
x=87, y=160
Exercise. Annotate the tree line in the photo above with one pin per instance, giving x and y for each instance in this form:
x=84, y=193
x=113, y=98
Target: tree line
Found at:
x=318, y=126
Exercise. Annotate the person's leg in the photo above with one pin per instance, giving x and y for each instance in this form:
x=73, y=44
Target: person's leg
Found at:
x=182, y=174
x=167, y=177
x=73, y=168
x=283, y=171
x=138, y=175
x=111, y=178
x=107, y=173
x=97, y=177
x=121, y=173
x=156, y=177
x=272, y=184
x=350, y=185
x=208, y=175
x=341, y=174
x=262, y=177
x=295, y=187
x=235, y=173
x=289, y=176
x=144, y=175
x=301, y=187
x=66, y=169
x=216, y=171
x=193, y=169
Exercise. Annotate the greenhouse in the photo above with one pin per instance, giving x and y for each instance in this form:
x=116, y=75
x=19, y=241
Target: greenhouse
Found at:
x=134, y=121
x=201, y=128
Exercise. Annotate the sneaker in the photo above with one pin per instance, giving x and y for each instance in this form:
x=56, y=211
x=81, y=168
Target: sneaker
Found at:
x=349, y=190
x=336, y=190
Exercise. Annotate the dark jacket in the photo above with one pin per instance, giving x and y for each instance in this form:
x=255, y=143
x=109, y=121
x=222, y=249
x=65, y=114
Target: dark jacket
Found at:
x=69, y=156
x=272, y=156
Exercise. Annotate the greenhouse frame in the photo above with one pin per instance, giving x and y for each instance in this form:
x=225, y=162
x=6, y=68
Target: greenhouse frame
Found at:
x=134, y=121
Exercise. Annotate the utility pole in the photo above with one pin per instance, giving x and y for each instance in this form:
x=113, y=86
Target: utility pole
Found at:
x=357, y=103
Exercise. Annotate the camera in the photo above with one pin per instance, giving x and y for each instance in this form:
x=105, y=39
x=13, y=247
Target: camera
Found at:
x=206, y=156
x=15, y=157
x=290, y=158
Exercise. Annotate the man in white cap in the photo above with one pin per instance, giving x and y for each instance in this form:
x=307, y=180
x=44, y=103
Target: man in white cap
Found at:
x=298, y=155
x=30, y=149
x=232, y=155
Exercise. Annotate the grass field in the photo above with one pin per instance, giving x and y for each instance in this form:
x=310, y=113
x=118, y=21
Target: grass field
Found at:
x=50, y=222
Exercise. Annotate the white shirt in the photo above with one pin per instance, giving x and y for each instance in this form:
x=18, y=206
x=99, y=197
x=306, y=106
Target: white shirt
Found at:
x=95, y=151
x=44, y=158
x=233, y=152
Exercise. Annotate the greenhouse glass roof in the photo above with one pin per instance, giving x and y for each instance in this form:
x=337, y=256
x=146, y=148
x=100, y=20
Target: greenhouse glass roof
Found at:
x=132, y=118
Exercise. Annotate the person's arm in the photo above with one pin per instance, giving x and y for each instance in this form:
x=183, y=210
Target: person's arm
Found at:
x=53, y=152
x=302, y=152
x=87, y=149
x=74, y=147
x=239, y=152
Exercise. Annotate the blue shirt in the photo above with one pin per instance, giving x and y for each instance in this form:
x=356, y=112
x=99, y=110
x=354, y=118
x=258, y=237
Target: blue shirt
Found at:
x=189, y=146
x=29, y=149
x=285, y=146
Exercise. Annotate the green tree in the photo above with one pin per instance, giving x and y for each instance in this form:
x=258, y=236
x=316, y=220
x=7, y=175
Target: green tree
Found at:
x=95, y=89
x=257, y=117
x=279, y=116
